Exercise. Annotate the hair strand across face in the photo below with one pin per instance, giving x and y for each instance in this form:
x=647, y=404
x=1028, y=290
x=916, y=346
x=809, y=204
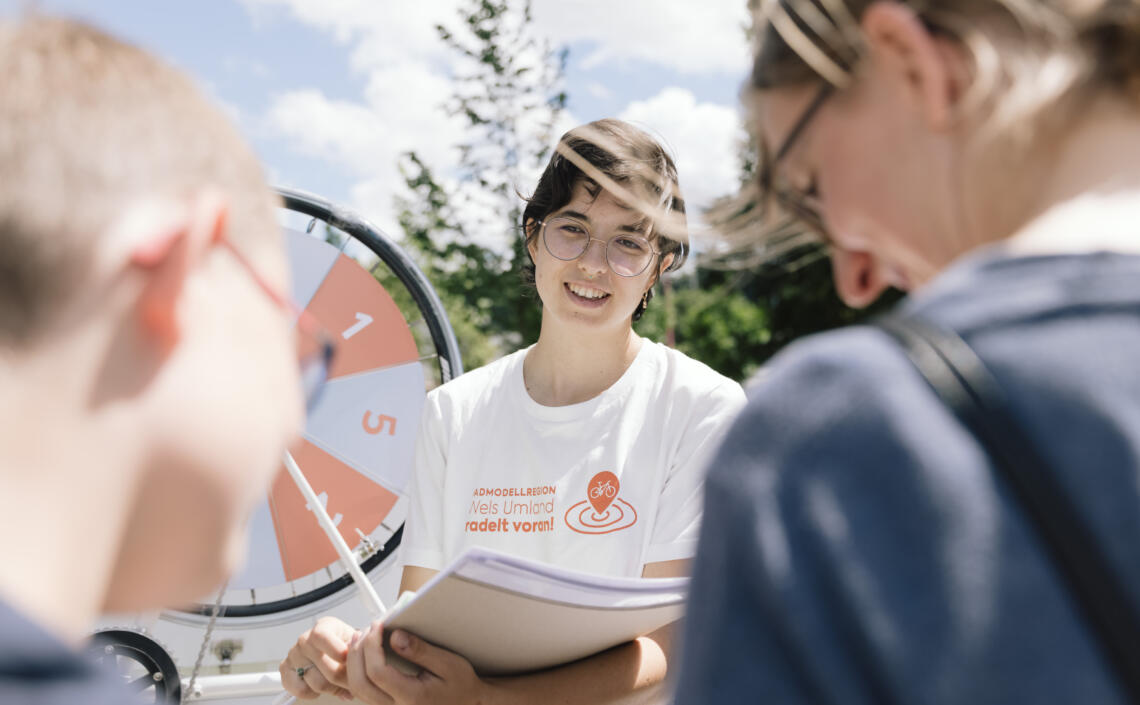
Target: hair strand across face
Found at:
x=627, y=163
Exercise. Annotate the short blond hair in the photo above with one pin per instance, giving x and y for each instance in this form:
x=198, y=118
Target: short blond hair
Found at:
x=88, y=123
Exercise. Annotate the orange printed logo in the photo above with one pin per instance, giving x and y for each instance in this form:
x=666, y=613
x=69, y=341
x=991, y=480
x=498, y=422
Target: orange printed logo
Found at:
x=602, y=512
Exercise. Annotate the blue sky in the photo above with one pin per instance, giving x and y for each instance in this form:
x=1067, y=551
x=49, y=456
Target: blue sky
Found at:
x=330, y=91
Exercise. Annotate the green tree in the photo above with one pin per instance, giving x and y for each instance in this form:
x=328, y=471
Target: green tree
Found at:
x=734, y=321
x=464, y=232
x=718, y=326
x=510, y=92
x=464, y=275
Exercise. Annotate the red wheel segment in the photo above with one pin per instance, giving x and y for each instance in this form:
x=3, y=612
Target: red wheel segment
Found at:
x=360, y=437
x=367, y=326
x=352, y=500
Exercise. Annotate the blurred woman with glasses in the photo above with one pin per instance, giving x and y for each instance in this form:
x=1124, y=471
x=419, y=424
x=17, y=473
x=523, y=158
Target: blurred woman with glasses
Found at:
x=586, y=450
x=861, y=544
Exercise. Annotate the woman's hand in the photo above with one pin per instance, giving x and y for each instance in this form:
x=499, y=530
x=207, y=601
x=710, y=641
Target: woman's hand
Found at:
x=446, y=677
x=320, y=653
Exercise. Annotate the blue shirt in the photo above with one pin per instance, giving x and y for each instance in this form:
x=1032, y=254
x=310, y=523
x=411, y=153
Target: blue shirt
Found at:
x=857, y=546
x=36, y=668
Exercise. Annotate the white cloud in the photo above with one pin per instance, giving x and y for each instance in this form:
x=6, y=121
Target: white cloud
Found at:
x=400, y=113
x=598, y=90
x=407, y=71
x=682, y=35
x=688, y=36
x=703, y=137
x=322, y=127
x=396, y=47
x=243, y=64
x=380, y=32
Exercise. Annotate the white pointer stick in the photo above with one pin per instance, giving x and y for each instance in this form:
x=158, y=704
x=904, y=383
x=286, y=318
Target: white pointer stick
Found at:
x=363, y=584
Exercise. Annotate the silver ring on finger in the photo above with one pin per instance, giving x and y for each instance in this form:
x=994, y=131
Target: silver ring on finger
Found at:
x=302, y=670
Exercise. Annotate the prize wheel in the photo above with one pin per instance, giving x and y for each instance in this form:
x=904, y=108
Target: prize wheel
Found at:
x=393, y=343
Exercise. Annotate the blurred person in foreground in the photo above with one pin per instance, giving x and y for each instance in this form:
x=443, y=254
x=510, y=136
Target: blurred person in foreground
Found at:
x=148, y=376
x=859, y=545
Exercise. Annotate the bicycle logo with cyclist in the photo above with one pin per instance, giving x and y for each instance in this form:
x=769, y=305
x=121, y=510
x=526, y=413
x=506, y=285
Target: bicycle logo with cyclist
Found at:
x=603, y=492
x=603, y=511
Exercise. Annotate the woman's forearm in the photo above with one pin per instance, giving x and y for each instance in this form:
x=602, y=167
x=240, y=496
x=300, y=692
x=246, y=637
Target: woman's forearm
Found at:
x=633, y=672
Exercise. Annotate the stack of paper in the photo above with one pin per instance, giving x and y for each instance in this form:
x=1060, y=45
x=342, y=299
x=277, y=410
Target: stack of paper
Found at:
x=511, y=615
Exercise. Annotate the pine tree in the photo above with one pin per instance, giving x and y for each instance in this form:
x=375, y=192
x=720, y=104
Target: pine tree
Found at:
x=465, y=231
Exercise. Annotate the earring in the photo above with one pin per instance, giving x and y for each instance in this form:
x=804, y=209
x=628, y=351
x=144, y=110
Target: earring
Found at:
x=645, y=300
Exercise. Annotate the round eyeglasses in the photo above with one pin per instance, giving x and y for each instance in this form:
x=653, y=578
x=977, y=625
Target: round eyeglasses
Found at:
x=801, y=206
x=627, y=254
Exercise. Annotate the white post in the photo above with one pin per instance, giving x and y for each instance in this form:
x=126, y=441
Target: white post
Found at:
x=367, y=592
x=236, y=685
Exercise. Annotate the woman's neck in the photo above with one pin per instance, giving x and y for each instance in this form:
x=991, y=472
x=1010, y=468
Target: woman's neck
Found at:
x=1091, y=198
x=572, y=366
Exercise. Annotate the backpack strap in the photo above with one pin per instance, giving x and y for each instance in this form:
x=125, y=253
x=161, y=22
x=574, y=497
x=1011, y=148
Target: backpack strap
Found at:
x=967, y=388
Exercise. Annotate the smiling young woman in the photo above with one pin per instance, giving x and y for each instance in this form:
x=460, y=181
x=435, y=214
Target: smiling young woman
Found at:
x=861, y=545
x=586, y=450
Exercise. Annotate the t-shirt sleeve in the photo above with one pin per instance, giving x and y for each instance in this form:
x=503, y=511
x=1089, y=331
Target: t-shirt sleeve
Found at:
x=679, y=510
x=423, y=529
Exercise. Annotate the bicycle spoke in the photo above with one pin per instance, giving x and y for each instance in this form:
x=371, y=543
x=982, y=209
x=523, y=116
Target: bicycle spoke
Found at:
x=141, y=683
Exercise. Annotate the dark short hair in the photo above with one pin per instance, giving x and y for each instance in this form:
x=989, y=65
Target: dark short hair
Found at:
x=627, y=156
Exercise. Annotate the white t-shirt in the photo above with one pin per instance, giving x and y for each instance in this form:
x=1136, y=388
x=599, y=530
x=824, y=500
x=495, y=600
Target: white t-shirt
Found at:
x=604, y=486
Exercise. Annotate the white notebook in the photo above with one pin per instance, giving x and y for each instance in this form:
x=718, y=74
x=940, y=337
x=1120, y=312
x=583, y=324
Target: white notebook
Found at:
x=511, y=615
